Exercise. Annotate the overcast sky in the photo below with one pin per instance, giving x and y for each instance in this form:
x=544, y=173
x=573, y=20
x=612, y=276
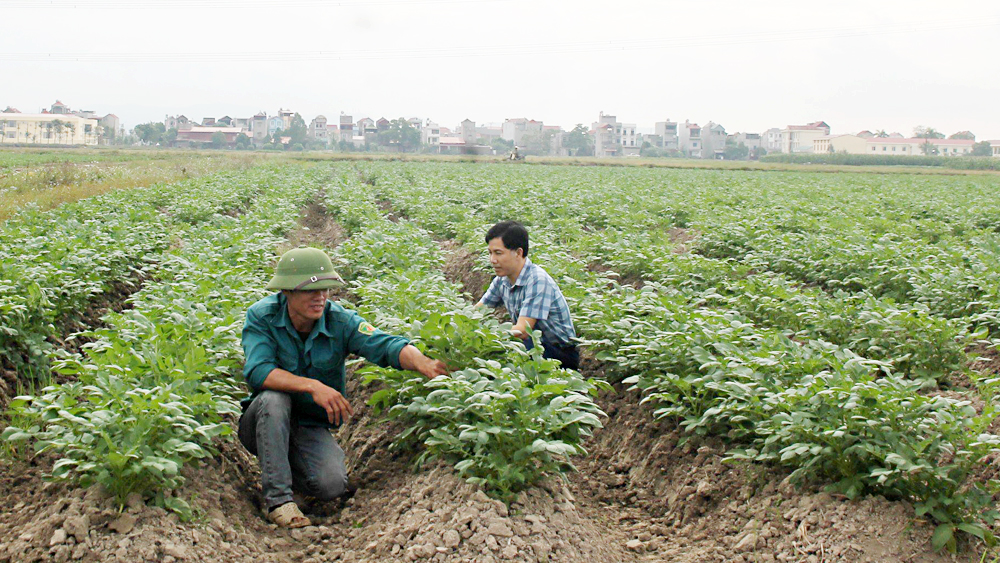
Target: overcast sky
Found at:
x=856, y=64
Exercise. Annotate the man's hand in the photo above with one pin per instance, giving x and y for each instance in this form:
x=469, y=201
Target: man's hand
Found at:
x=329, y=399
x=338, y=410
x=412, y=359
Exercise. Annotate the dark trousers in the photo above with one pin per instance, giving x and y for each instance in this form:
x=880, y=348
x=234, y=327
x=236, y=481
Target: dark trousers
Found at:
x=567, y=354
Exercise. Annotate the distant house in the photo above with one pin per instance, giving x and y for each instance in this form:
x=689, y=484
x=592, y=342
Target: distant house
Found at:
x=319, y=130
x=995, y=145
x=382, y=124
x=799, y=138
x=11, y=110
x=430, y=134
x=667, y=133
x=850, y=144
x=771, y=140
x=605, y=140
x=59, y=108
x=893, y=145
x=514, y=129
x=468, y=131
x=713, y=140
x=47, y=129
x=197, y=136
x=258, y=128
x=689, y=139
x=275, y=124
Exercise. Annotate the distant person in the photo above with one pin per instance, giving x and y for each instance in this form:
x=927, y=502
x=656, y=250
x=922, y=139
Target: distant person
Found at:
x=529, y=294
x=295, y=342
x=514, y=154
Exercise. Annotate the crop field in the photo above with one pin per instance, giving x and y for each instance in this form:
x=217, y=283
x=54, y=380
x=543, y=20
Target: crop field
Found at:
x=779, y=365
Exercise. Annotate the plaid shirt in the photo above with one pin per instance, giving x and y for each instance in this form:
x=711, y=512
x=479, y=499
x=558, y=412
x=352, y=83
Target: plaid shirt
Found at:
x=535, y=295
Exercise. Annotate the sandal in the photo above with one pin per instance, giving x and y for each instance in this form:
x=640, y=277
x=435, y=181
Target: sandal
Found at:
x=288, y=515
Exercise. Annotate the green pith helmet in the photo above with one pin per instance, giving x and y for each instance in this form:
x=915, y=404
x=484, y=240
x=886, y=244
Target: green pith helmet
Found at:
x=305, y=268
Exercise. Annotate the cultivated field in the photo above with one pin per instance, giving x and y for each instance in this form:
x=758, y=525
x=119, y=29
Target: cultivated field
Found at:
x=780, y=365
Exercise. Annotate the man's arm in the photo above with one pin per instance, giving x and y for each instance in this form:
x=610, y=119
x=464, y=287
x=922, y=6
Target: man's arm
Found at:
x=336, y=406
x=413, y=359
x=523, y=327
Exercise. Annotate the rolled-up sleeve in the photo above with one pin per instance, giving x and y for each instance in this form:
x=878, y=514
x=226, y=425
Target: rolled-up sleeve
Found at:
x=492, y=296
x=259, y=351
x=374, y=345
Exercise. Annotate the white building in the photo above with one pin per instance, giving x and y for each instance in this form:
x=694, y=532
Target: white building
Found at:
x=995, y=145
x=689, y=139
x=318, y=130
x=771, y=140
x=47, y=129
x=713, y=140
x=850, y=144
x=667, y=131
x=514, y=129
x=797, y=139
x=430, y=134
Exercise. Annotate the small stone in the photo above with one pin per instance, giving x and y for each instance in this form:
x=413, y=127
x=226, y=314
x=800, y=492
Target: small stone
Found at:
x=78, y=527
x=134, y=502
x=174, y=550
x=644, y=536
x=491, y=542
x=451, y=538
x=168, y=559
x=509, y=552
x=500, y=528
x=441, y=549
x=123, y=524
x=79, y=551
x=58, y=537
x=634, y=545
x=372, y=546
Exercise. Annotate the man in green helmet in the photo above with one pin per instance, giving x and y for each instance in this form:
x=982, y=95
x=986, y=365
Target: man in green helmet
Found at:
x=295, y=342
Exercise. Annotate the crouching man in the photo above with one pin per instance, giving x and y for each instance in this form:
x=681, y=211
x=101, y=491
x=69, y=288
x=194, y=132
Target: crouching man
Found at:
x=295, y=342
x=529, y=294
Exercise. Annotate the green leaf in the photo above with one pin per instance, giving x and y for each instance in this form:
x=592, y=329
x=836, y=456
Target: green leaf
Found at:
x=943, y=535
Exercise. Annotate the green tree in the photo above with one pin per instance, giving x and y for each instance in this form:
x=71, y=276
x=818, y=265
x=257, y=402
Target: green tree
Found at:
x=982, y=148
x=735, y=151
x=579, y=141
x=965, y=135
x=150, y=133
x=921, y=132
x=57, y=128
x=928, y=148
x=170, y=136
x=242, y=141
x=881, y=134
x=297, y=130
x=401, y=135
x=218, y=140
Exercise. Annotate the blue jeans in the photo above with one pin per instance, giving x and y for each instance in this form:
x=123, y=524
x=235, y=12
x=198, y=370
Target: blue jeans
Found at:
x=304, y=458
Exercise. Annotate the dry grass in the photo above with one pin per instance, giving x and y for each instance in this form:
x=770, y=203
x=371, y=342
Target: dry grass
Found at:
x=50, y=184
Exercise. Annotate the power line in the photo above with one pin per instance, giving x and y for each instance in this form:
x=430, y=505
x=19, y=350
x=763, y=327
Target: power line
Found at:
x=374, y=53
x=227, y=4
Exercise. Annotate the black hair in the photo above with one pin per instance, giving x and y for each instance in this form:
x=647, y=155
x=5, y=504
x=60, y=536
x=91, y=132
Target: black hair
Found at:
x=512, y=233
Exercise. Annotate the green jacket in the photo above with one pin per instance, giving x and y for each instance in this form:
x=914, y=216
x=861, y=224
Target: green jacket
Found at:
x=270, y=341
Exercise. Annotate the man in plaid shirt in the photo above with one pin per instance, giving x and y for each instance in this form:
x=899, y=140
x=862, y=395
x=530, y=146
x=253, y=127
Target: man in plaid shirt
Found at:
x=529, y=294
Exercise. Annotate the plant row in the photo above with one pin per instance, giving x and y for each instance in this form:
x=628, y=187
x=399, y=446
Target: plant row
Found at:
x=793, y=375
x=504, y=416
x=148, y=394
